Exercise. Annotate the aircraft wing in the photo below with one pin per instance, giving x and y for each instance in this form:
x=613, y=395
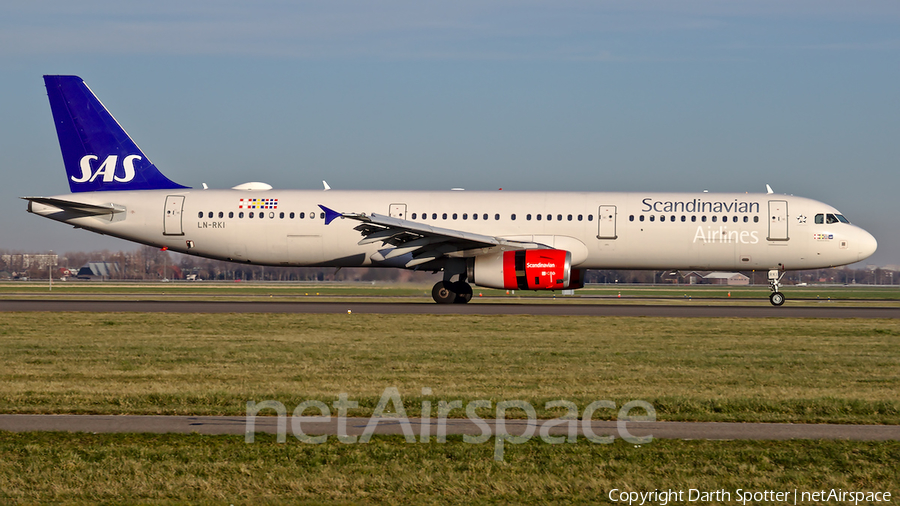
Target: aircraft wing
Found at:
x=77, y=207
x=424, y=242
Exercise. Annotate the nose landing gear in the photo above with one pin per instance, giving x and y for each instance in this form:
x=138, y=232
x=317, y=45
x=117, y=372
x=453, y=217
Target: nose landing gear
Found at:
x=776, y=297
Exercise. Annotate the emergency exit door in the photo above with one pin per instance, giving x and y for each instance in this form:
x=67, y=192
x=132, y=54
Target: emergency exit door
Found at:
x=172, y=218
x=778, y=220
x=607, y=222
x=398, y=211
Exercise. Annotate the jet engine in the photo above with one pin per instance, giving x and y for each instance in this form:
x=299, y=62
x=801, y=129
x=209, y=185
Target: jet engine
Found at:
x=529, y=269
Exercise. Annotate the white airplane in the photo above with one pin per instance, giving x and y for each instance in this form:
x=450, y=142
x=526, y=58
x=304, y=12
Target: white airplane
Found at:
x=495, y=239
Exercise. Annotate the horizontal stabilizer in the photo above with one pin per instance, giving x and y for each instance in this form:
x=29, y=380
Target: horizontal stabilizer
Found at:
x=77, y=207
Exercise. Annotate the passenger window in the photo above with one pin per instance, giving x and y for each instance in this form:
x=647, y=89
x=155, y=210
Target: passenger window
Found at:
x=590, y=217
x=251, y=214
x=642, y=217
x=512, y=217
x=496, y=217
x=630, y=218
x=683, y=218
x=745, y=219
x=221, y=214
x=652, y=217
x=527, y=217
x=820, y=219
x=414, y=216
x=579, y=217
x=673, y=217
x=714, y=218
x=241, y=214
x=444, y=216
x=454, y=216
x=485, y=216
x=694, y=218
x=539, y=217
x=756, y=219
x=661, y=218
x=322, y=215
x=263, y=215
x=211, y=215
x=312, y=215
x=200, y=214
x=281, y=215
x=570, y=218
x=703, y=219
x=465, y=216
x=302, y=215
x=291, y=215
x=231, y=214
x=559, y=217
x=434, y=216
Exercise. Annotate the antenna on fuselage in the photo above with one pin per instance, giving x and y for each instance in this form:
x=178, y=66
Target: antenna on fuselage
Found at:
x=769, y=190
x=326, y=186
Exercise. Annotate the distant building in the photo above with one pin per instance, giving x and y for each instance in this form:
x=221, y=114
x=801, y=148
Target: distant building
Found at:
x=726, y=278
x=23, y=262
x=95, y=270
x=693, y=278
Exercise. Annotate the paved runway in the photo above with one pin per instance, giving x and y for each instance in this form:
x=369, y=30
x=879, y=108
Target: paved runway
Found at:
x=562, y=308
x=237, y=425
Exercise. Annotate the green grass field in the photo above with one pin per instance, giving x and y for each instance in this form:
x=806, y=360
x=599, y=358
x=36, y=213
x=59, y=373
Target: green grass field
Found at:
x=797, y=370
x=124, y=469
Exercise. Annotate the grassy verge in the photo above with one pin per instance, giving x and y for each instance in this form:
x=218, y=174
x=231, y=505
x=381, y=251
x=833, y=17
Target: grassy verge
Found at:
x=137, y=468
x=797, y=370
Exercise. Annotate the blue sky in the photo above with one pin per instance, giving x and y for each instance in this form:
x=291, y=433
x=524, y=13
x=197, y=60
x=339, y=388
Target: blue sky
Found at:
x=568, y=95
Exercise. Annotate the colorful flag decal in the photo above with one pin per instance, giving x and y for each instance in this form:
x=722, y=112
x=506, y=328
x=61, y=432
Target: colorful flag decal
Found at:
x=823, y=237
x=258, y=204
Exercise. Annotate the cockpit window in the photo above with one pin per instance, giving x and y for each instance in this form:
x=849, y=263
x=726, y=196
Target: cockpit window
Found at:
x=830, y=218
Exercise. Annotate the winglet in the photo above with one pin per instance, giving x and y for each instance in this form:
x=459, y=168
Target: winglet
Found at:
x=330, y=215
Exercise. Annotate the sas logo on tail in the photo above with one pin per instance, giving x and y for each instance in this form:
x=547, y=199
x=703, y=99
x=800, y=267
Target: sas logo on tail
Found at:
x=106, y=170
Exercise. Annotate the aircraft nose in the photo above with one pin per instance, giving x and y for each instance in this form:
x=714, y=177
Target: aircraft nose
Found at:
x=867, y=245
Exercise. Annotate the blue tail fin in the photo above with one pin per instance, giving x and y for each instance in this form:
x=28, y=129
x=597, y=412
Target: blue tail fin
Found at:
x=97, y=152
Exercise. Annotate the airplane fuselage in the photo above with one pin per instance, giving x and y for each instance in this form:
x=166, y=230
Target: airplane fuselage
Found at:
x=604, y=230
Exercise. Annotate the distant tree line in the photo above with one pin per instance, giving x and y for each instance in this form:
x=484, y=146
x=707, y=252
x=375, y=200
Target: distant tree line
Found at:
x=149, y=264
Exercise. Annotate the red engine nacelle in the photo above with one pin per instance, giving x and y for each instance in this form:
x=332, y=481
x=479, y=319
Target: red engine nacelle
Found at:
x=531, y=269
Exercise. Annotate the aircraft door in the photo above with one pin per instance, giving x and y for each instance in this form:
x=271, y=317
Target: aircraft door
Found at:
x=398, y=211
x=172, y=219
x=606, y=218
x=778, y=220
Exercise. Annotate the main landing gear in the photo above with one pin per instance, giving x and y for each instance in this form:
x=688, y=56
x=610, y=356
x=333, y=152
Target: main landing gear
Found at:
x=776, y=297
x=451, y=292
